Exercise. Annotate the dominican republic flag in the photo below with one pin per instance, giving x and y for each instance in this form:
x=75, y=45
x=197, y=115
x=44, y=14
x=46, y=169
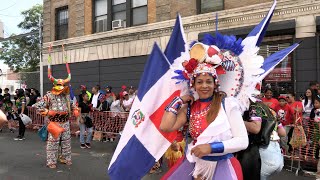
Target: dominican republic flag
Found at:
x=142, y=142
x=274, y=59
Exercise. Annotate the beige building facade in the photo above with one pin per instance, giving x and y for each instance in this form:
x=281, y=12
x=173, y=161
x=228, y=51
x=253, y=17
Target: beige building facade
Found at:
x=113, y=54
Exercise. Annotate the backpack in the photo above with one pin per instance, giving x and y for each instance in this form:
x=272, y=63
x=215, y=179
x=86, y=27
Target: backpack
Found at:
x=268, y=124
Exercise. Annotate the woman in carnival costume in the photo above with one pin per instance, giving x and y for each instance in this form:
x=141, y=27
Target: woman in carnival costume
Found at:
x=57, y=107
x=216, y=124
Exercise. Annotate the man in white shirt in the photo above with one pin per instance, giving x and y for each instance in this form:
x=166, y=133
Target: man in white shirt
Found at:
x=132, y=94
x=95, y=98
x=127, y=102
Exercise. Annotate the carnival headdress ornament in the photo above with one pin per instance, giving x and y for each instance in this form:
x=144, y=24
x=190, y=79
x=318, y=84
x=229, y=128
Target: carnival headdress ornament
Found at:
x=212, y=55
x=60, y=85
x=234, y=63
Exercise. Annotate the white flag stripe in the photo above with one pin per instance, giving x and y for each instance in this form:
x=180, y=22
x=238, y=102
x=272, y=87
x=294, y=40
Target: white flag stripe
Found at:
x=127, y=134
x=152, y=139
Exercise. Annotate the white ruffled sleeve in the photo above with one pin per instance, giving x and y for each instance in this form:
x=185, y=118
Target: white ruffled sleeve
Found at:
x=239, y=141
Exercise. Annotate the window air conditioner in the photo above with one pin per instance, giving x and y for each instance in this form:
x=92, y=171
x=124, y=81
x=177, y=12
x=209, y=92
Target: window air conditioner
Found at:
x=116, y=24
x=101, y=25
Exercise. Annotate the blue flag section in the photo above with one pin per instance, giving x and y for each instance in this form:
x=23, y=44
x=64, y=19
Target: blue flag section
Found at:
x=156, y=66
x=176, y=44
x=273, y=60
x=133, y=162
x=72, y=96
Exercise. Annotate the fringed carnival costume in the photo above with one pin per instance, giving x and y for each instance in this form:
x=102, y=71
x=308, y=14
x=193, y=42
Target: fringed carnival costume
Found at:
x=57, y=107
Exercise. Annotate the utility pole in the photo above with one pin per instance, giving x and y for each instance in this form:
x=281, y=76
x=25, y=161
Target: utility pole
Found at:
x=41, y=63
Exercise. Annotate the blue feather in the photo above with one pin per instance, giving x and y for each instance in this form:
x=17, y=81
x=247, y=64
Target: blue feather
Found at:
x=192, y=43
x=224, y=42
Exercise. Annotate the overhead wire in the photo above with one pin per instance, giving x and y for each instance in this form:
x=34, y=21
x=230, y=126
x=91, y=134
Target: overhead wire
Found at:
x=9, y=6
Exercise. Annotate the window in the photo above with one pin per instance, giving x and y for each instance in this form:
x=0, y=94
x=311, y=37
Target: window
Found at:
x=211, y=5
x=119, y=10
x=139, y=12
x=130, y=12
x=62, y=18
x=101, y=15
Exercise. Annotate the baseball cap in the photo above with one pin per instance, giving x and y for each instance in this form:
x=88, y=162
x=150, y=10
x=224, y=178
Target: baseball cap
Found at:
x=282, y=97
x=123, y=87
x=125, y=93
x=83, y=87
x=109, y=87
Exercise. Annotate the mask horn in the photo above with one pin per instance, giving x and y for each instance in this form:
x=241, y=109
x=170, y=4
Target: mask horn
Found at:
x=51, y=78
x=67, y=66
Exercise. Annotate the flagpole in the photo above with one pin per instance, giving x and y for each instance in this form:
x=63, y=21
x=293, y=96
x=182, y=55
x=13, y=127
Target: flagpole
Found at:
x=216, y=22
x=41, y=63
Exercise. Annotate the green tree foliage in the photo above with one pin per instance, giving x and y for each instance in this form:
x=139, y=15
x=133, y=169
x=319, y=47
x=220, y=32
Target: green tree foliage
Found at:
x=22, y=53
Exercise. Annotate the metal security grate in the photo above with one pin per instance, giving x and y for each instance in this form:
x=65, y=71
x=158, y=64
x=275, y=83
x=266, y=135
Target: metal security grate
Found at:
x=279, y=80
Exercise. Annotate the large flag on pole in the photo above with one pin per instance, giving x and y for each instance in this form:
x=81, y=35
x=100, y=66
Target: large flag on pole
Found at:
x=142, y=143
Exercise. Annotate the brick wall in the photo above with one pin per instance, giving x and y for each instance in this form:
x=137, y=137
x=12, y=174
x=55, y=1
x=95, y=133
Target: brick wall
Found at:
x=152, y=11
x=168, y=9
x=88, y=17
x=185, y=8
x=76, y=17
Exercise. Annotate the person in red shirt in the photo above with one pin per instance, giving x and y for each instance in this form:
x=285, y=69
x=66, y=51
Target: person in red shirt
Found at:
x=123, y=88
x=269, y=100
x=297, y=108
x=285, y=116
x=284, y=111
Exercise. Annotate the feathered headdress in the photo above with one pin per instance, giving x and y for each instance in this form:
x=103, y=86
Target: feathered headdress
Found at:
x=233, y=61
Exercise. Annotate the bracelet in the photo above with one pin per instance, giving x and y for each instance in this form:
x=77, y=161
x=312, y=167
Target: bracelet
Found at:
x=255, y=118
x=174, y=106
x=217, y=147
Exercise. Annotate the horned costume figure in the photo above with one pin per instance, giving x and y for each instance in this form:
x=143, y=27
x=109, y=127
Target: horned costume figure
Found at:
x=57, y=107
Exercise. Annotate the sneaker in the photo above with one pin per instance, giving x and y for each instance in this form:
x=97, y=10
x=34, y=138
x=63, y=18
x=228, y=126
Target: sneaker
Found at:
x=82, y=146
x=111, y=139
x=11, y=130
x=22, y=138
x=88, y=145
x=17, y=138
x=0, y=130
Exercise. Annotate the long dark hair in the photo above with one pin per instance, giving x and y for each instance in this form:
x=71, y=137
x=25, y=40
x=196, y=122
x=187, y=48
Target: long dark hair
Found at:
x=313, y=96
x=20, y=93
x=214, y=107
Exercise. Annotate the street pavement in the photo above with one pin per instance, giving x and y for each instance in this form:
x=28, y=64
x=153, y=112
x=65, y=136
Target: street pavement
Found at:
x=25, y=160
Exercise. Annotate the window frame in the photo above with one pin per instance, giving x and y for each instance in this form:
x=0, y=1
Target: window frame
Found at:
x=128, y=10
x=94, y=17
x=57, y=26
x=131, y=11
x=199, y=10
